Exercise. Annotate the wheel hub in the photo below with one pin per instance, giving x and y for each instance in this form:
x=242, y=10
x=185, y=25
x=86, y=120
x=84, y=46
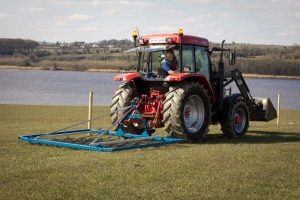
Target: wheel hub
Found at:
x=239, y=120
x=187, y=112
x=193, y=113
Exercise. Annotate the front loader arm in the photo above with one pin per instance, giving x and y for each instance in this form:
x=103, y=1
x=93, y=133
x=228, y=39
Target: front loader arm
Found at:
x=236, y=76
x=259, y=111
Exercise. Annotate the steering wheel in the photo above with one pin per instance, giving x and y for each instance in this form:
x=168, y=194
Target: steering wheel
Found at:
x=187, y=68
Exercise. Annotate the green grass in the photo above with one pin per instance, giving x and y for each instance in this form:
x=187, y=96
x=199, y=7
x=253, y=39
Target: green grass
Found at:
x=262, y=165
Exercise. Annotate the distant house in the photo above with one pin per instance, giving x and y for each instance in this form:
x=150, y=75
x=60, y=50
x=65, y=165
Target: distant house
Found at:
x=64, y=45
x=79, y=44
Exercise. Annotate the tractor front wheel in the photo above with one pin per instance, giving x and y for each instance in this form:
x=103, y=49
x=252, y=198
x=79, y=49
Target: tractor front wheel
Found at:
x=236, y=118
x=186, y=111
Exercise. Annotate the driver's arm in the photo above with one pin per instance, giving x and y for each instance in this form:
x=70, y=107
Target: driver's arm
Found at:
x=167, y=68
x=171, y=72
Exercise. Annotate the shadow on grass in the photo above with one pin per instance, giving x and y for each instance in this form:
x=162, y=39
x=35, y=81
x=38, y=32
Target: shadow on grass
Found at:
x=255, y=137
x=275, y=133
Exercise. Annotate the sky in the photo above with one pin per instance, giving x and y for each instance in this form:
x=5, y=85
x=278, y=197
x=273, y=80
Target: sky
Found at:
x=255, y=21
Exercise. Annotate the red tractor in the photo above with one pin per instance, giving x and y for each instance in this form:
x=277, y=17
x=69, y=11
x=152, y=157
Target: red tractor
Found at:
x=186, y=102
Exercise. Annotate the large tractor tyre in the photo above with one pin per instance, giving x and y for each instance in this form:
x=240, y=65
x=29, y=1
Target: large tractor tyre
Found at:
x=236, y=118
x=187, y=111
x=122, y=98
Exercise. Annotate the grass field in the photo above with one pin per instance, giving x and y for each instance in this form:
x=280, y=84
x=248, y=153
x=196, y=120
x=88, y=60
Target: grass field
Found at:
x=262, y=165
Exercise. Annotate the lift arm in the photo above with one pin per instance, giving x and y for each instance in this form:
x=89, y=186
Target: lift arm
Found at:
x=259, y=111
x=236, y=76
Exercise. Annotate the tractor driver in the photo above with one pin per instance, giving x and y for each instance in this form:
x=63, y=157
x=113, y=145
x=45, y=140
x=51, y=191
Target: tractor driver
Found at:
x=169, y=64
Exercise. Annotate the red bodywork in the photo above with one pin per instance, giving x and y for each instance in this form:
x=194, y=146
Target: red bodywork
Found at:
x=173, y=39
x=127, y=77
x=151, y=107
x=178, y=77
x=201, y=78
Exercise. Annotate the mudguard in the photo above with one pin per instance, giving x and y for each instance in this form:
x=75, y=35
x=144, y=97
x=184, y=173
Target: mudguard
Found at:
x=201, y=78
x=127, y=77
x=231, y=98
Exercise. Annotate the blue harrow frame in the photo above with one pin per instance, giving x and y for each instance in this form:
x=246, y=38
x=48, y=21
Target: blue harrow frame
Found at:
x=101, y=146
x=134, y=141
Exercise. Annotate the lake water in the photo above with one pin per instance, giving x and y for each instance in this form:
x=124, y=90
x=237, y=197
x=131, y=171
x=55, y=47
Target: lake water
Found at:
x=36, y=87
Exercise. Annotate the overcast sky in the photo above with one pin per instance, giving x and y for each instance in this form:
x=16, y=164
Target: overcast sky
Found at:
x=253, y=21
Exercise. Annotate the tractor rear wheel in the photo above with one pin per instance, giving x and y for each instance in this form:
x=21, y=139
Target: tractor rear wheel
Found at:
x=187, y=111
x=122, y=98
x=236, y=118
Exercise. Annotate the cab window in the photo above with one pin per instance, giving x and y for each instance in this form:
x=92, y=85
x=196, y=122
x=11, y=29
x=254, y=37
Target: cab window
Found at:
x=188, y=58
x=156, y=59
x=202, y=63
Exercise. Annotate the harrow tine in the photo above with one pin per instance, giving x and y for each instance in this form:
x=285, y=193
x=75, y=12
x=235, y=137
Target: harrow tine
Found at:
x=82, y=122
x=123, y=141
x=131, y=108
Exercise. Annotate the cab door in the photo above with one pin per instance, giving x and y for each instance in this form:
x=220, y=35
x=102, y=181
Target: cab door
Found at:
x=188, y=58
x=202, y=62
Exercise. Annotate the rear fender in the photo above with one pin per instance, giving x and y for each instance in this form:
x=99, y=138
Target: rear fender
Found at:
x=231, y=98
x=127, y=77
x=201, y=78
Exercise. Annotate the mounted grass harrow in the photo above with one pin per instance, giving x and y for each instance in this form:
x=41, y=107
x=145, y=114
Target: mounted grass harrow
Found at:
x=103, y=140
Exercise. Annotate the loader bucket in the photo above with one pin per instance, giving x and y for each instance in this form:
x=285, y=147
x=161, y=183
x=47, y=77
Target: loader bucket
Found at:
x=264, y=111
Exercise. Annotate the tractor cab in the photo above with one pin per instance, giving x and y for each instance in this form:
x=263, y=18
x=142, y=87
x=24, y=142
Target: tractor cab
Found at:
x=191, y=53
x=150, y=59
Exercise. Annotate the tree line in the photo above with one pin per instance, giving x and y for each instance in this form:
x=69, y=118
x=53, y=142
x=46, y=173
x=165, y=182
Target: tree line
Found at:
x=265, y=59
x=16, y=46
x=251, y=58
x=117, y=43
